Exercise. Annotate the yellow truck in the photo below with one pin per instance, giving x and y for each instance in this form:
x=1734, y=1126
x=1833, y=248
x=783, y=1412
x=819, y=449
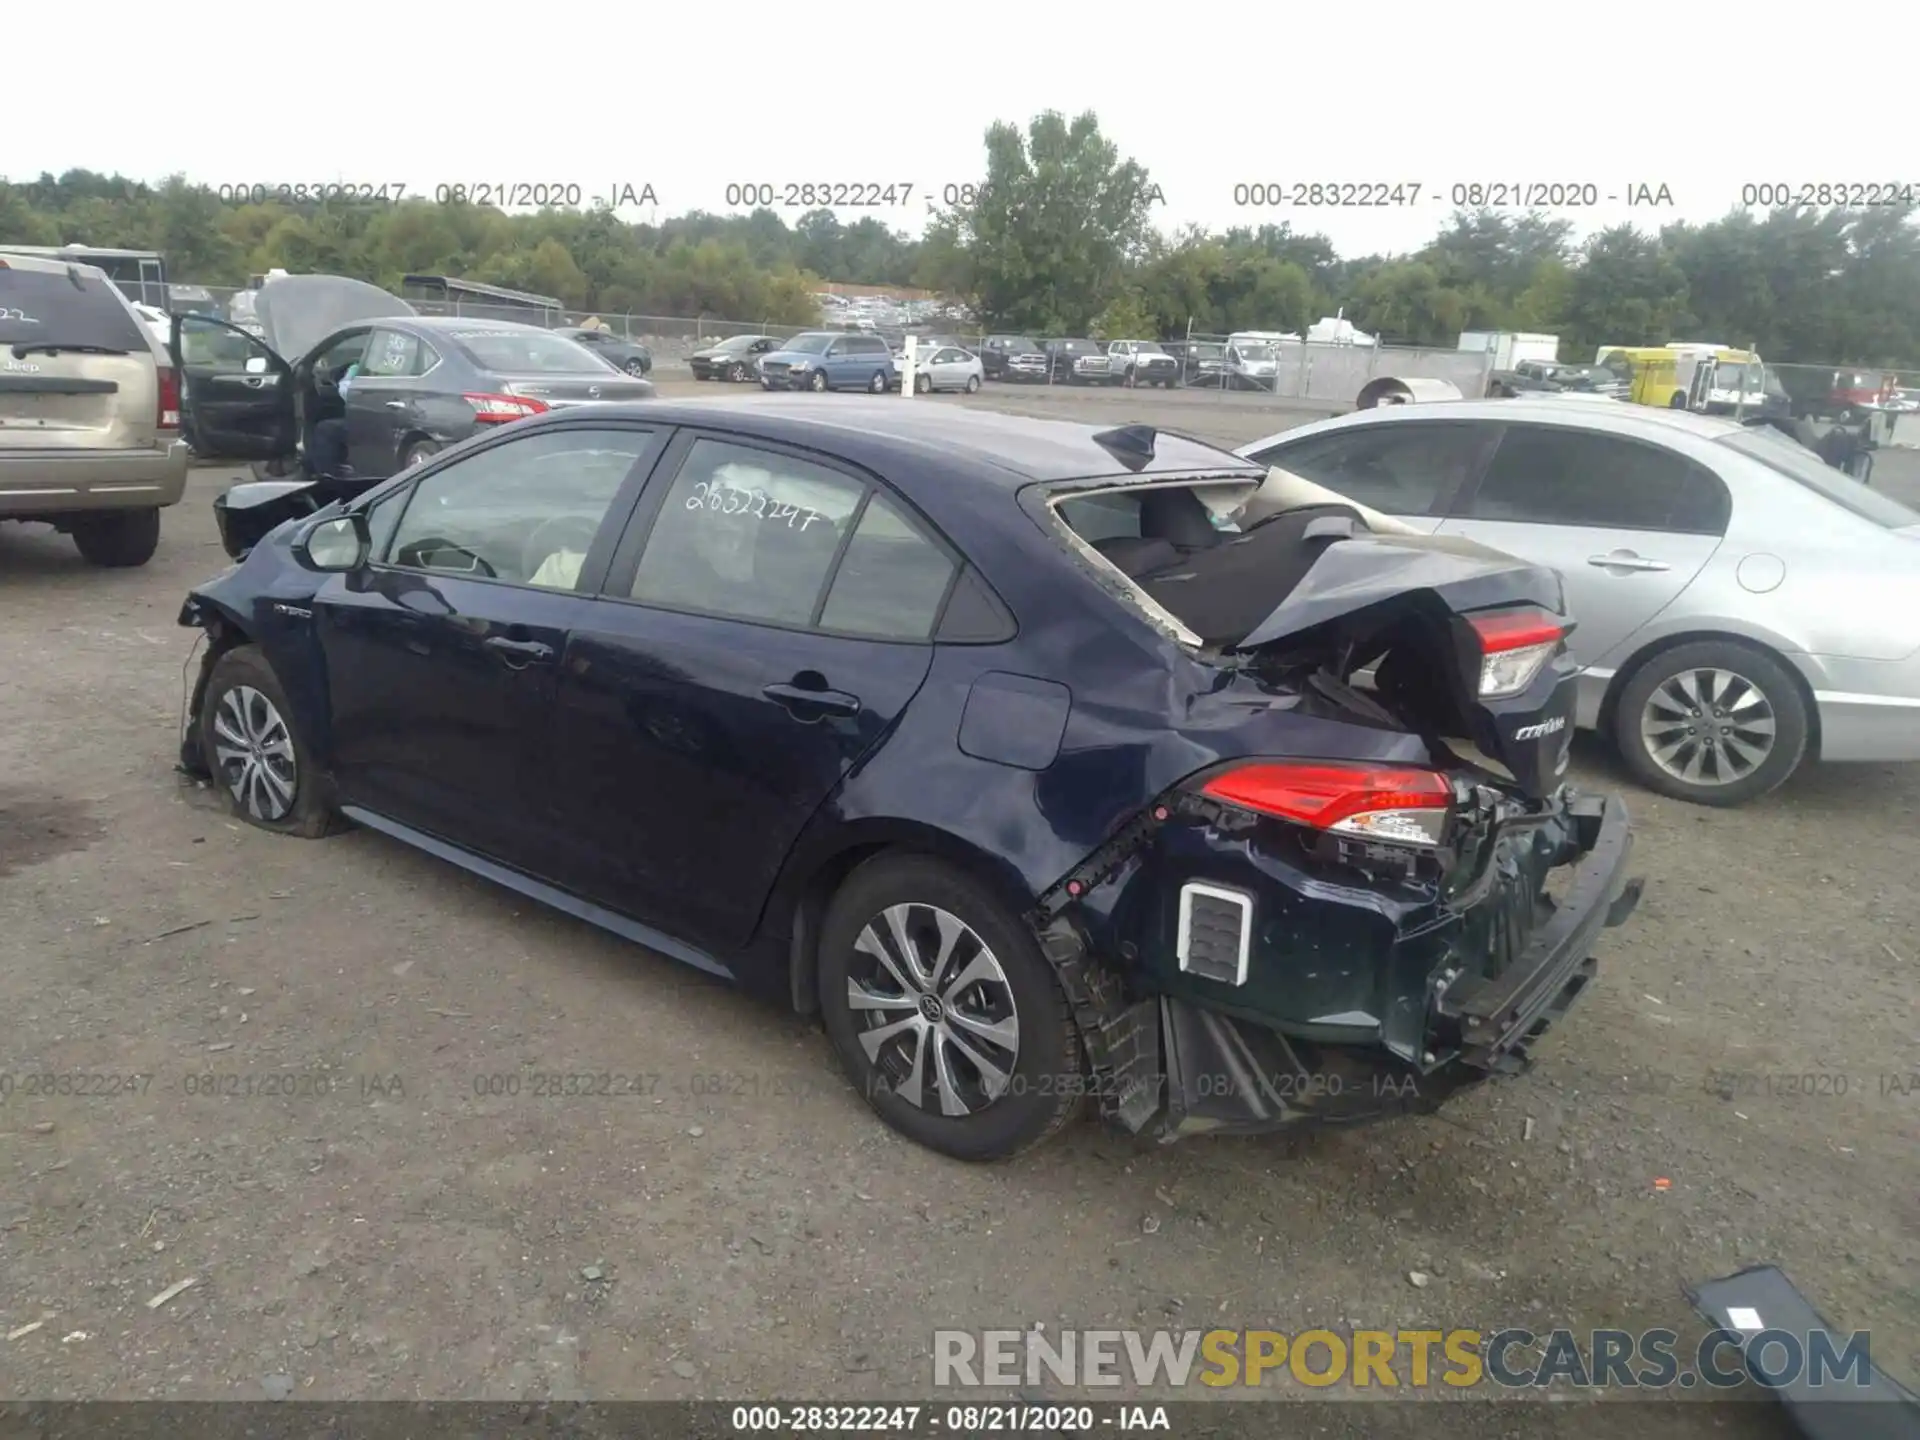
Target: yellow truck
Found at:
x=1713, y=379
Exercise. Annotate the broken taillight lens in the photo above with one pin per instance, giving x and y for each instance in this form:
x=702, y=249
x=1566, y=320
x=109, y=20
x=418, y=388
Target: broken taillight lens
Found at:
x=499, y=409
x=1375, y=802
x=1514, y=645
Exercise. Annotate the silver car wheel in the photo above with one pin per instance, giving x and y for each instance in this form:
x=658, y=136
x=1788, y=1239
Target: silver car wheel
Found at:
x=253, y=754
x=936, y=1015
x=1708, y=727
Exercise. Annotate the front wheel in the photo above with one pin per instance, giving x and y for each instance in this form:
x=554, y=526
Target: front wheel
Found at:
x=1713, y=723
x=923, y=384
x=877, y=385
x=819, y=381
x=635, y=367
x=254, y=753
x=944, y=1012
x=417, y=453
x=737, y=374
x=117, y=539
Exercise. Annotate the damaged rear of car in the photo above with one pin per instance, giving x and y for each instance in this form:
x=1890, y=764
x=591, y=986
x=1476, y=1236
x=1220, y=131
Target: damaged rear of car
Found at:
x=1371, y=894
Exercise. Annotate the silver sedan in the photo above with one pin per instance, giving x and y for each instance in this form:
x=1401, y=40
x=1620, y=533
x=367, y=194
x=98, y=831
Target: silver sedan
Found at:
x=947, y=368
x=1740, y=606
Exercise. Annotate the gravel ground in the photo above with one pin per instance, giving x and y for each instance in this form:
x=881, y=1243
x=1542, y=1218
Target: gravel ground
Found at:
x=392, y=1230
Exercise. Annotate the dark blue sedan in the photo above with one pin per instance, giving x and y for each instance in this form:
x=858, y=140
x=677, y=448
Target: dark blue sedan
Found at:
x=1030, y=756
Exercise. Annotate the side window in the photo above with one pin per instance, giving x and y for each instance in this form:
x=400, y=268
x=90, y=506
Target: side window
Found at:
x=383, y=518
x=1398, y=469
x=746, y=533
x=524, y=512
x=1547, y=476
x=349, y=350
x=391, y=354
x=891, y=579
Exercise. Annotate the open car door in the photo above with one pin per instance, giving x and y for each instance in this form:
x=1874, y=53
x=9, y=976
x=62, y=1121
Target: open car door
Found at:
x=236, y=394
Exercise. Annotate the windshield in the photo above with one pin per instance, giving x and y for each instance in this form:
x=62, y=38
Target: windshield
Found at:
x=1253, y=351
x=65, y=307
x=1147, y=347
x=737, y=342
x=1749, y=378
x=1076, y=347
x=1018, y=345
x=808, y=344
x=1206, y=352
x=530, y=352
x=1796, y=462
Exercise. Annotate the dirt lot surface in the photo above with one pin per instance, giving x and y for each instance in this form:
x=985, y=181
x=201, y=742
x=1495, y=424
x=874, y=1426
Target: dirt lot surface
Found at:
x=748, y=1229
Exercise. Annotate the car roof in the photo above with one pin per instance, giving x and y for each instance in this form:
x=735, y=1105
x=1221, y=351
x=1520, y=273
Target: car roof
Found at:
x=445, y=323
x=1618, y=416
x=1012, y=450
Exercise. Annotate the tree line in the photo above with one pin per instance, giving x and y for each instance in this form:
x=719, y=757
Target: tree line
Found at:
x=1057, y=238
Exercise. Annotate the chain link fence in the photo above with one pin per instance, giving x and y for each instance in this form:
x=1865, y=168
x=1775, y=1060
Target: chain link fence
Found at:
x=1316, y=373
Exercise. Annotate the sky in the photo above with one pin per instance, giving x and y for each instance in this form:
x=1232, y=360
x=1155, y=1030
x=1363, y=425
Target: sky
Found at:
x=1395, y=103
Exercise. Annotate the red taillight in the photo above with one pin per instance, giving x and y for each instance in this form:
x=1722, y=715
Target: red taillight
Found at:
x=168, y=415
x=1515, y=630
x=498, y=409
x=1514, y=646
x=1377, y=801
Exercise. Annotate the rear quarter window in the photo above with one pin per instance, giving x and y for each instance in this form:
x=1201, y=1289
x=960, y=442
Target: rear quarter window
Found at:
x=66, y=307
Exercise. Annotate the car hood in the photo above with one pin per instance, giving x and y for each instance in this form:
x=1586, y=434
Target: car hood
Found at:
x=297, y=312
x=794, y=357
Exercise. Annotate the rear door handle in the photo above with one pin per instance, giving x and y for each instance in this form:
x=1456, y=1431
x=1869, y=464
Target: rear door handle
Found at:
x=520, y=653
x=834, y=702
x=396, y=404
x=1627, y=562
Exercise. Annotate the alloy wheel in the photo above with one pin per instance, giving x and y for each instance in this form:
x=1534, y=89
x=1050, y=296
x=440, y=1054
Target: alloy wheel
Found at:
x=253, y=753
x=936, y=1015
x=1708, y=726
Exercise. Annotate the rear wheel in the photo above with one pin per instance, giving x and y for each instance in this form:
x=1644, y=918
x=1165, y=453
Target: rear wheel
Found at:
x=117, y=539
x=878, y=385
x=635, y=367
x=253, y=752
x=1714, y=723
x=416, y=453
x=944, y=1012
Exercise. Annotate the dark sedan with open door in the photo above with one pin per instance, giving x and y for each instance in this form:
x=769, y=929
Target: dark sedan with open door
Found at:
x=375, y=388
x=1022, y=752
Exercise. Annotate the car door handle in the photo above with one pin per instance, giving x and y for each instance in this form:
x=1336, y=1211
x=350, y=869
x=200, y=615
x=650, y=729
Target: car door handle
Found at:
x=520, y=653
x=794, y=697
x=396, y=404
x=1627, y=562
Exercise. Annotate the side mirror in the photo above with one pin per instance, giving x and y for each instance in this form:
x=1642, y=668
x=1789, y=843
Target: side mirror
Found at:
x=334, y=546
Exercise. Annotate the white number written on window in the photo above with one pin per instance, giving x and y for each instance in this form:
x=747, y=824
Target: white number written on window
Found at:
x=718, y=499
x=7, y=312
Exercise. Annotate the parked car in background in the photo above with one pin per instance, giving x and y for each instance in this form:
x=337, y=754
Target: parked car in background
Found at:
x=1021, y=773
x=830, y=360
x=1079, y=362
x=736, y=359
x=1201, y=362
x=1739, y=606
x=629, y=356
x=1143, y=362
x=422, y=384
x=947, y=368
x=1013, y=358
x=90, y=438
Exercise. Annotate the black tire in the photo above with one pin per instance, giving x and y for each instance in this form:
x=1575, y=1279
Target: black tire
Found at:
x=923, y=384
x=310, y=814
x=1779, y=692
x=417, y=452
x=819, y=381
x=117, y=539
x=1044, y=1089
x=1679, y=400
x=737, y=374
x=635, y=367
x=878, y=385
x=973, y=384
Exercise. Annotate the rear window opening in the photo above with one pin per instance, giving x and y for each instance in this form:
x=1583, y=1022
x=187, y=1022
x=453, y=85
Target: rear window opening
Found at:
x=67, y=307
x=530, y=352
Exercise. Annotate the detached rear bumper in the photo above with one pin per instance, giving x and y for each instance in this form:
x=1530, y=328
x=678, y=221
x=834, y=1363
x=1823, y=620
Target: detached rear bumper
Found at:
x=1499, y=1017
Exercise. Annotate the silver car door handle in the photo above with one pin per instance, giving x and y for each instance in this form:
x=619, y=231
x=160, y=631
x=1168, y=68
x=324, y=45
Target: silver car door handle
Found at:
x=396, y=404
x=1627, y=562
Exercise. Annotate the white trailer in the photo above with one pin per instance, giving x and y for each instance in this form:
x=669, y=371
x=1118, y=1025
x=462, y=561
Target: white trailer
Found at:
x=1509, y=347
